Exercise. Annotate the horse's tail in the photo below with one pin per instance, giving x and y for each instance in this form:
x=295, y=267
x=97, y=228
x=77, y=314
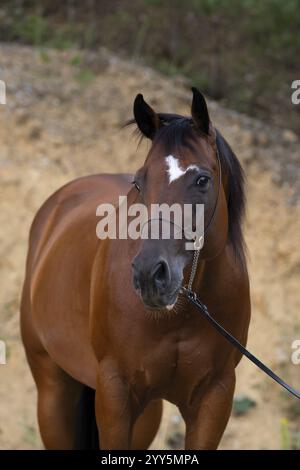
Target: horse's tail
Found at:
x=86, y=436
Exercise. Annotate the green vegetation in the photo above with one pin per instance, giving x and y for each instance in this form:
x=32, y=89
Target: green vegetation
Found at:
x=30, y=435
x=242, y=405
x=289, y=436
x=284, y=435
x=243, y=52
x=85, y=75
x=76, y=60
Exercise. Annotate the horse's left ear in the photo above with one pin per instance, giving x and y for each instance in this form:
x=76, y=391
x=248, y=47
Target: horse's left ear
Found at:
x=200, y=112
x=146, y=118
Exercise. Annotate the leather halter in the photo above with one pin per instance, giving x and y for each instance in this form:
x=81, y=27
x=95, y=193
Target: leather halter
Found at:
x=198, y=243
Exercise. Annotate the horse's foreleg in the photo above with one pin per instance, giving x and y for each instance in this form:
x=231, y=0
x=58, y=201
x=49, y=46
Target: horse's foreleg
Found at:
x=146, y=426
x=114, y=411
x=58, y=393
x=206, y=423
x=58, y=397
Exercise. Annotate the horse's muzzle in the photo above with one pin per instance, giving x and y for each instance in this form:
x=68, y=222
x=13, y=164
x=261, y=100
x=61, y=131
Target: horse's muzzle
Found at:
x=153, y=281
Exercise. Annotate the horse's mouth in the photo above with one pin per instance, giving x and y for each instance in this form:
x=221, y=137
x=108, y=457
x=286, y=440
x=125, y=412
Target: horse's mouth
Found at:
x=162, y=303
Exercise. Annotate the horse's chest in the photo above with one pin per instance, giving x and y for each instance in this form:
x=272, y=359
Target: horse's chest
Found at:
x=173, y=369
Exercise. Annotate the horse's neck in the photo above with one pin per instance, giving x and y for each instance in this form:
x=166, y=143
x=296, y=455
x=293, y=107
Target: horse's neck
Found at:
x=207, y=272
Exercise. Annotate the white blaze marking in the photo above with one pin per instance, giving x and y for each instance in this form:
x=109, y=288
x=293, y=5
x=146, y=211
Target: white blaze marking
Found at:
x=174, y=170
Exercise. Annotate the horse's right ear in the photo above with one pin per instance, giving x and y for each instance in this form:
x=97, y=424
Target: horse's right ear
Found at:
x=200, y=112
x=146, y=118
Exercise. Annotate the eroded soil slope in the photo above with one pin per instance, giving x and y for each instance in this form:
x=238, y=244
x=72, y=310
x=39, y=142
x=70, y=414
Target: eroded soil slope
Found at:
x=62, y=120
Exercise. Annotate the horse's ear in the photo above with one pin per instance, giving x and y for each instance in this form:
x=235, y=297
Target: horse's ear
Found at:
x=200, y=112
x=146, y=118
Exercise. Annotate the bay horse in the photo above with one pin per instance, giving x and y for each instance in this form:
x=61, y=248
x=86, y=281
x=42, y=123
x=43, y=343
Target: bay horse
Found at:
x=106, y=332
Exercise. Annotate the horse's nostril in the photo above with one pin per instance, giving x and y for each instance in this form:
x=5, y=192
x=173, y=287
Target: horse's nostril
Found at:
x=160, y=274
x=159, y=271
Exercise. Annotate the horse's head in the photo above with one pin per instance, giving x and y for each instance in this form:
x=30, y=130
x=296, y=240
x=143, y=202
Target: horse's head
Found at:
x=181, y=168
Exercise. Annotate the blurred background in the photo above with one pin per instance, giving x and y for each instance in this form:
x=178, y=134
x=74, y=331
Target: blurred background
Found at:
x=72, y=70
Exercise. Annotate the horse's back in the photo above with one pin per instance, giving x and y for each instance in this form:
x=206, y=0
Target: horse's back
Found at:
x=62, y=248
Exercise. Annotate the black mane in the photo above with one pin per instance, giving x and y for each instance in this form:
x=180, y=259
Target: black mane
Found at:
x=178, y=131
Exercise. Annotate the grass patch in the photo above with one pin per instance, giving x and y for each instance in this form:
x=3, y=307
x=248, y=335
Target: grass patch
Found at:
x=85, y=75
x=76, y=60
x=30, y=435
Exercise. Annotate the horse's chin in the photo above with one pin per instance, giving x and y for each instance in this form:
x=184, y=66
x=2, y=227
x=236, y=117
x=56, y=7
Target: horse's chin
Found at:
x=164, y=306
x=171, y=306
x=161, y=312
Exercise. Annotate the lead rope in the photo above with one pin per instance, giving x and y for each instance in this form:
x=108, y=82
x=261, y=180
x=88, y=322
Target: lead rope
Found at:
x=192, y=297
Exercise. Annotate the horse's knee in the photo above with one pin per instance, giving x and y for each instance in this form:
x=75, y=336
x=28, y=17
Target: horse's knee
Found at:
x=147, y=425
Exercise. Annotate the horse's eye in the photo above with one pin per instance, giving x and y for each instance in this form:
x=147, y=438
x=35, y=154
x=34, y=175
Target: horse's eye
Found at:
x=203, y=182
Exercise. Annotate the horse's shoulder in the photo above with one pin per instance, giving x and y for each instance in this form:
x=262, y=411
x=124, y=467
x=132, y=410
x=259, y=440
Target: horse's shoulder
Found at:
x=80, y=194
x=67, y=216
